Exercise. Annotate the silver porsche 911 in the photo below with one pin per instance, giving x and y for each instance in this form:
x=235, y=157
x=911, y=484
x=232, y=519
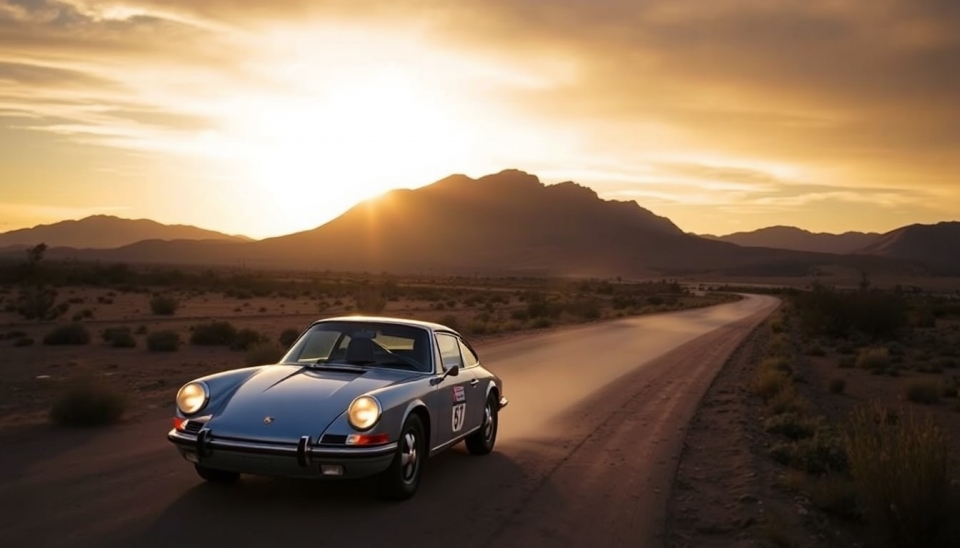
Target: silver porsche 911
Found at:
x=353, y=397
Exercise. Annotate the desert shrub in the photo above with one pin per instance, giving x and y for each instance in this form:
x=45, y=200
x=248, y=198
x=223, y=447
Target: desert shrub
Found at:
x=67, y=334
x=787, y=400
x=263, y=353
x=769, y=383
x=23, y=341
x=87, y=403
x=902, y=471
x=822, y=453
x=119, y=337
x=877, y=360
x=288, y=337
x=846, y=362
x=777, y=326
x=781, y=364
x=142, y=330
x=542, y=323
x=163, y=305
x=824, y=311
x=163, y=341
x=837, y=386
x=791, y=425
x=247, y=338
x=219, y=333
x=924, y=391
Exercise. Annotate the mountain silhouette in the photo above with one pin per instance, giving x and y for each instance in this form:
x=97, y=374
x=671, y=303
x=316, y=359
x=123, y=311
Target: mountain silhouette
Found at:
x=937, y=245
x=797, y=239
x=105, y=232
x=506, y=223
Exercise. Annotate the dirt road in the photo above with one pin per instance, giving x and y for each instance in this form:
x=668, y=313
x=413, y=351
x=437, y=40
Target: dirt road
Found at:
x=586, y=455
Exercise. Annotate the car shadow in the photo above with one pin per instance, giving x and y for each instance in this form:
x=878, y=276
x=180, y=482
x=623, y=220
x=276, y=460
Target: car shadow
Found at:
x=456, y=490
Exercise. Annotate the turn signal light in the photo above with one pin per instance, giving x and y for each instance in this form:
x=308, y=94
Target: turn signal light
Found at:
x=367, y=439
x=180, y=424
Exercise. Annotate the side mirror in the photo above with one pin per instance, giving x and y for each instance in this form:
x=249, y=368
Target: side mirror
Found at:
x=451, y=371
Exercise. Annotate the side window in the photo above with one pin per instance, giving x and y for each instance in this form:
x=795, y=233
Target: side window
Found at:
x=449, y=350
x=469, y=358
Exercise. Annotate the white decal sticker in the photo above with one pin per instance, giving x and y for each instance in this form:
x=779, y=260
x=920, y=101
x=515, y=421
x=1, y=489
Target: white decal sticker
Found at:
x=459, y=412
x=458, y=394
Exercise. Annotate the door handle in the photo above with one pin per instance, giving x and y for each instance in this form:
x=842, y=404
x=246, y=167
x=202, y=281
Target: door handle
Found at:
x=474, y=382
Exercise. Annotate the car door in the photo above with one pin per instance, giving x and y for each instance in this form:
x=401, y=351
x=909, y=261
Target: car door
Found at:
x=476, y=389
x=453, y=403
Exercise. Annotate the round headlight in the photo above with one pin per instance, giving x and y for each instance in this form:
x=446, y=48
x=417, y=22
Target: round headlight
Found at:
x=364, y=412
x=192, y=397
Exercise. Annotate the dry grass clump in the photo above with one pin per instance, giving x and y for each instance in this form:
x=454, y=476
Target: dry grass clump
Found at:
x=901, y=465
x=68, y=334
x=924, y=391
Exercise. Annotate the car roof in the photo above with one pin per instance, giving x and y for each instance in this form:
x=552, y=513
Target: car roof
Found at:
x=385, y=319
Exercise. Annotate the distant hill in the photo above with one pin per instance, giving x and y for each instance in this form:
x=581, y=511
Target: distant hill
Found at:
x=506, y=223
x=937, y=245
x=788, y=237
x=105, y=232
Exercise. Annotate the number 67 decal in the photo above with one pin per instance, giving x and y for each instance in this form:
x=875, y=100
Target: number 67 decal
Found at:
x=459, y=411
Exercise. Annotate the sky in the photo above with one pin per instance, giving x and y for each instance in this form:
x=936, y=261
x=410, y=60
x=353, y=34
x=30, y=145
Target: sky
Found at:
x=265, y=118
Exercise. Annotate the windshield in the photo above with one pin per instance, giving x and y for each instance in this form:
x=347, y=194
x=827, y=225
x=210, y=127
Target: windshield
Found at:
x=365, y=344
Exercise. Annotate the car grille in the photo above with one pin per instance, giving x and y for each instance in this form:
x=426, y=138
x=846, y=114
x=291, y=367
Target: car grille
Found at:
x=333, y=439
x=193, y=427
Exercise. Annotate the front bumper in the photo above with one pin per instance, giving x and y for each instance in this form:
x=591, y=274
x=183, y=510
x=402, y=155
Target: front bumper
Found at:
x=504, y=402
x=302, y=459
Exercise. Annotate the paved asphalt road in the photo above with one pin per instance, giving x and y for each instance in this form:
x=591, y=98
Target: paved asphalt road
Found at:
x=586, y=456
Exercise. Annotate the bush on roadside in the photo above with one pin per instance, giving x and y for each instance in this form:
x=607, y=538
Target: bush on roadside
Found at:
x=791, y=425
x=846, y=362
x=450, y=321
x=119, y=337
x=163, y=341
x=263, y=353
x=246, y=338
x=23, y=341
x=876, y=360
x=788, y=400
x=769, y=383
x=87, y=402
x=902, y=471
x=68, y=334
x=924, y=391
x=219, y=333
x=163, y=305
x=288, y=337
x=822, y=453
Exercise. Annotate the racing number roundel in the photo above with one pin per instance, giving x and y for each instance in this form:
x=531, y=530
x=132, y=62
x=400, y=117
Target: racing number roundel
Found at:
x=459, y=411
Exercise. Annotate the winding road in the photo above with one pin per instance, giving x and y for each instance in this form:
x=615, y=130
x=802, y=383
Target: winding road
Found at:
x=585, y=457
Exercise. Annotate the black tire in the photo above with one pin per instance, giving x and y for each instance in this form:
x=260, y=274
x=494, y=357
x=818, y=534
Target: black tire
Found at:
x=482, y=441
x=217, y=476
x=401, y=480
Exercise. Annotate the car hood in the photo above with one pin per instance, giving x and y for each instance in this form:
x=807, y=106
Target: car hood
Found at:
x=299, y=401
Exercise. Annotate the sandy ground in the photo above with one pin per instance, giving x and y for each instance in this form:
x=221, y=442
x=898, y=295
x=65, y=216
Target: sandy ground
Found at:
x=586, y=456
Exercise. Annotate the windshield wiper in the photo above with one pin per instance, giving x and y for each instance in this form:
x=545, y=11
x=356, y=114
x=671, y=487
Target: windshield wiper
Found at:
x=322, y=363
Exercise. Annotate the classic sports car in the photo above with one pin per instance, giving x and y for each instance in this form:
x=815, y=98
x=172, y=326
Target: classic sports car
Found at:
x=353, y=397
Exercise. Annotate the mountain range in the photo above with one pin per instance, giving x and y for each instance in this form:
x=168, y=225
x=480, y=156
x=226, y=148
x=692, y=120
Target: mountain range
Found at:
x=797, y=239
x=105, y=232
x=512, y=223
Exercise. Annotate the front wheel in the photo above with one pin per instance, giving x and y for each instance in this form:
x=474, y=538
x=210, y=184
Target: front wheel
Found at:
x=402, y=479
x=216, y=476
x=482, y=441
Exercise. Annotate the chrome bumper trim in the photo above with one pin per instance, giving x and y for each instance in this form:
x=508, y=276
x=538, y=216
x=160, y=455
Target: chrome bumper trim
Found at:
x=504, y=402
x=299, y=451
